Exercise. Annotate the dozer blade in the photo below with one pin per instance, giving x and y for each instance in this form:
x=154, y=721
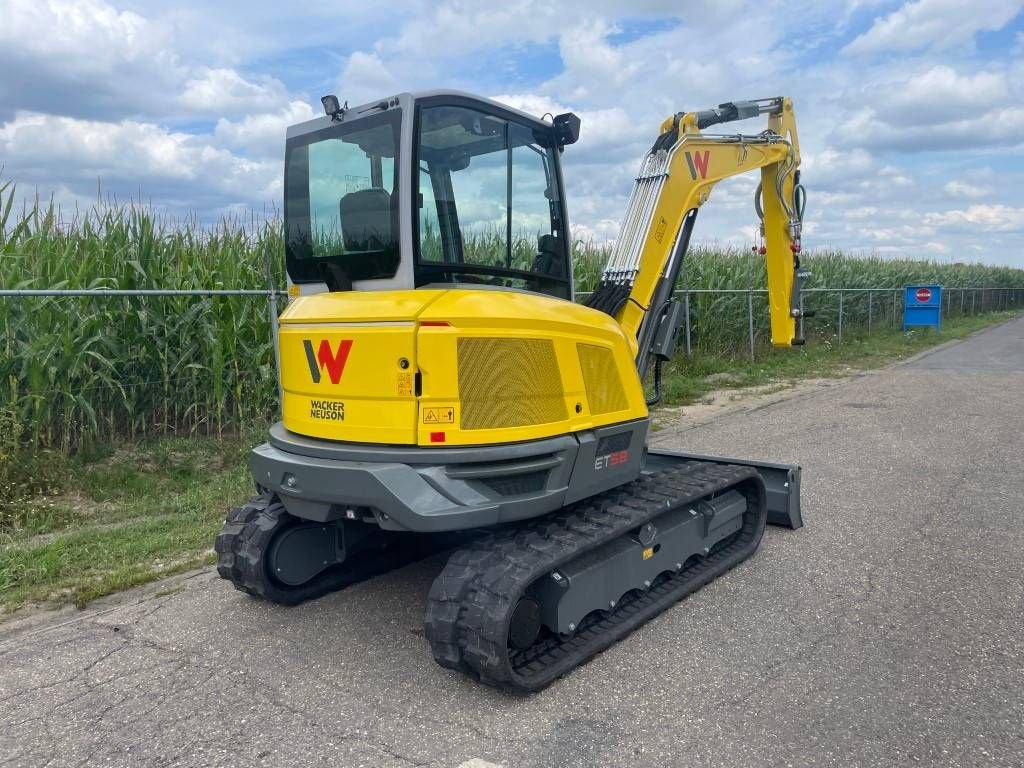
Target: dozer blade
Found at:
x=781, y=482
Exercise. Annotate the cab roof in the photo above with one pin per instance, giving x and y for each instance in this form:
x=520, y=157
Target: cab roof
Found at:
x=407, y=99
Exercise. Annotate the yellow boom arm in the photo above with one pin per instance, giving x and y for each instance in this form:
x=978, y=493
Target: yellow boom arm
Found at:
x=675, y=179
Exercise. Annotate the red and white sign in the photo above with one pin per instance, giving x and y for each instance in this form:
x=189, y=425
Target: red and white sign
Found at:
x=923, y=295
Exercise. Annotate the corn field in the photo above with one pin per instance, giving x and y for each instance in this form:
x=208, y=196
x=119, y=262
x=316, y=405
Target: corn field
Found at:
x=77, y=371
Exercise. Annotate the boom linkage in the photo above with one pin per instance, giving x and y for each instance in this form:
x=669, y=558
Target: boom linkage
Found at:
x=676, y=177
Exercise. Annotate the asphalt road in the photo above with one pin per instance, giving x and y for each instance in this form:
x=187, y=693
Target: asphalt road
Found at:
x=888, y=631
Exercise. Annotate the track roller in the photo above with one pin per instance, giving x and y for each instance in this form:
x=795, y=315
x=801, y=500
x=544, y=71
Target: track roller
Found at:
x=268, y=553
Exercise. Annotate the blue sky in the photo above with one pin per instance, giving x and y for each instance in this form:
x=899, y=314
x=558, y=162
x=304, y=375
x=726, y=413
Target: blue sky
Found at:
x=911, y=113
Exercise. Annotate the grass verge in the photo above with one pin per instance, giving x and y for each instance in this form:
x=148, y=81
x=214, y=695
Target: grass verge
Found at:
x=126, y=516
x=688, y=380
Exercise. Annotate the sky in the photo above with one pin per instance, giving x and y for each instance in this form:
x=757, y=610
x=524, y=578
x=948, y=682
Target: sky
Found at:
x=911, y=114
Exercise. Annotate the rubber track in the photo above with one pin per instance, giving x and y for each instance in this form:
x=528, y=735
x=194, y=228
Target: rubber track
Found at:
x=471, y=602
x=242, y=544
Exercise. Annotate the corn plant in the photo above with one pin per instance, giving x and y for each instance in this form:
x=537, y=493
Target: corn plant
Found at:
x=77, y=371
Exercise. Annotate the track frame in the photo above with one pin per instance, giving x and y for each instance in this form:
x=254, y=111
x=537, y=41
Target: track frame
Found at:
x=472, y=601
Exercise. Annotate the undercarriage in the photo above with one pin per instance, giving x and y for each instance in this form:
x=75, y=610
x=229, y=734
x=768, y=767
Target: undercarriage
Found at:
x=519, y=604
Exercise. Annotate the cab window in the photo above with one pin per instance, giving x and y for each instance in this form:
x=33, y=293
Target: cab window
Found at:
x=489, y=206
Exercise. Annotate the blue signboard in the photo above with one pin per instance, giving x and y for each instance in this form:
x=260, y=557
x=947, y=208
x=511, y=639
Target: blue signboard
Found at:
x=922, y=306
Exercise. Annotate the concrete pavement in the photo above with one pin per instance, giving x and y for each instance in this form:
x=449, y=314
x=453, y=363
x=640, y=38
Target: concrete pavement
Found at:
x=888, y=631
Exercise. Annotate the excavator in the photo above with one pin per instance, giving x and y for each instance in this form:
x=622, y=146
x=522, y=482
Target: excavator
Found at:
x=443, y=390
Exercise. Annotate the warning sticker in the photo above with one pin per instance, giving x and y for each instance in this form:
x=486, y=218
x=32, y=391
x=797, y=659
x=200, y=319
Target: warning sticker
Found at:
x=660, y=231
x=438, y=415
x=404, y=385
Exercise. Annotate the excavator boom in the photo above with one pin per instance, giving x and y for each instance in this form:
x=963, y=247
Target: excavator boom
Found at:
x=676, y=177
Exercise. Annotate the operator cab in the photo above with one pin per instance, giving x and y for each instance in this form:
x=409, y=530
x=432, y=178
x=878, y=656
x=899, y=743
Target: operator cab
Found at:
x=427, y=189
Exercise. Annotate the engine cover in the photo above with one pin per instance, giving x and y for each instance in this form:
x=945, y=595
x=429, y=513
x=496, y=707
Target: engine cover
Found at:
x=447, y=367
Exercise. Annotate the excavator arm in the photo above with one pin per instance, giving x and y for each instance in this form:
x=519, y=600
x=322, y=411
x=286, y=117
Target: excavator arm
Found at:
x=676, y=177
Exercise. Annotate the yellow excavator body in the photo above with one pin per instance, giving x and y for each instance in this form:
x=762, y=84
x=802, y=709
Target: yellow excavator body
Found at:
x=441, y=386
x=452, y=367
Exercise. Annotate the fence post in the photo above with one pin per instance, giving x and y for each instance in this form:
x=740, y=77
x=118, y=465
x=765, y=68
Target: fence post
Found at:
x=962, y=292
x=686, y=311
x=750, y=320
x=840, y=317
x=974, y=299
x=869, y=312
x=895, y=307
x=272, y=308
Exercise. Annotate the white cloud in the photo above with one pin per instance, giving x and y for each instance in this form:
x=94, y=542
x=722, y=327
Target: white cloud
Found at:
x=366, y=77
x=980, y=218
x=84, y=56
x=941, y=95
x=80, y=32
x=965, y=190
x=262, y=135
x=142, y=153
x=997, y=127
x=833, y=169
x=594, y=63
x=936, y=24
x=225, y=91
x=467, y=26
x=601, y=130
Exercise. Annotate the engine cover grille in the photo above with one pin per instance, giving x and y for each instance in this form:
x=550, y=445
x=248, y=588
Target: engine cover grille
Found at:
x=601, y=379
x=509, y=383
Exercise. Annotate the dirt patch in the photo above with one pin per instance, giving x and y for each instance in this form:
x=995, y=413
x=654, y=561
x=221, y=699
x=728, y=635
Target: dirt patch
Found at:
x=75, y=503
x=721, y=401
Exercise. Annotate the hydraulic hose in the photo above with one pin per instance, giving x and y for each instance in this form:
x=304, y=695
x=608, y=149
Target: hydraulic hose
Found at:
x=655, y=397
x=799, y=199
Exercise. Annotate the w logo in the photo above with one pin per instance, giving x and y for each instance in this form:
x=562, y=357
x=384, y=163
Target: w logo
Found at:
x=698, y=162
x=326, y=358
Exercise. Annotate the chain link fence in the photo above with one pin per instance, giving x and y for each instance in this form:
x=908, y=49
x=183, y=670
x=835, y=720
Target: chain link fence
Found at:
x=735, y=320
x=79, y=366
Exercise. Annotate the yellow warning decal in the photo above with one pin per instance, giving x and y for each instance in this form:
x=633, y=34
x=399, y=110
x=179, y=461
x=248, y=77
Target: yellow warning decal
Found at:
x=648, y=553
x=404, y=385
x=438, y=415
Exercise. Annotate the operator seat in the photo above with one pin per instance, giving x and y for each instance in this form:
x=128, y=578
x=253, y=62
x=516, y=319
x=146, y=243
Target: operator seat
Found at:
x=365, y=217
x=548, y=261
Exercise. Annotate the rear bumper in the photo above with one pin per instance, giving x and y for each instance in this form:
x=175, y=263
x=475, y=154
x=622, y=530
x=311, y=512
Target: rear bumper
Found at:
x=440, y=489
